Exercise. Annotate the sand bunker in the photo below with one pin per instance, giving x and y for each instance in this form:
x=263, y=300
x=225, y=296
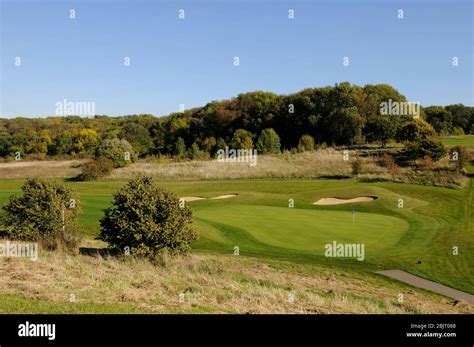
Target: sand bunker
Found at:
x=225, y=196
x=191, y=198
x=338, y=201
x=196, y=198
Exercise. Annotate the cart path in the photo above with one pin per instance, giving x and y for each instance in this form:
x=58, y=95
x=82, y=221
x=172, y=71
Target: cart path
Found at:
x=419, y=282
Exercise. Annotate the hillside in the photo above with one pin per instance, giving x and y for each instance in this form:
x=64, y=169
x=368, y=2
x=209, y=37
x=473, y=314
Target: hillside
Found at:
x=203, y=284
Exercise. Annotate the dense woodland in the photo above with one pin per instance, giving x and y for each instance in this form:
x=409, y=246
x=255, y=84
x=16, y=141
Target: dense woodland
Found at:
x=343, y=114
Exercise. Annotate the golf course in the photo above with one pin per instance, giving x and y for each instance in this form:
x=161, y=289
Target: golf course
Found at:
x=417, y=236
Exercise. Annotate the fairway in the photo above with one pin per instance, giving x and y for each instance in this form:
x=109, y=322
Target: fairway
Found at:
x=464, y=140
x=307, y=230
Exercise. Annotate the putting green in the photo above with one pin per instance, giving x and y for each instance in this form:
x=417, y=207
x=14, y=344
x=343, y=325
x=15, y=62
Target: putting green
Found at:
x=304, y=229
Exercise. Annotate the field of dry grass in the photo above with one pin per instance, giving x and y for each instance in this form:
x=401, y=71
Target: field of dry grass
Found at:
x=322, y=163
x=208, y=283
x=47, y=168
x=328, y=162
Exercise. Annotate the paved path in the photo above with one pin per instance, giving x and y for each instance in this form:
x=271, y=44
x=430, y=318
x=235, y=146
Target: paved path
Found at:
x=428, y=285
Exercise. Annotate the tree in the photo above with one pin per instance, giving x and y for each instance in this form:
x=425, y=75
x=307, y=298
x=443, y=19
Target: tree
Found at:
x=220, y=144
x=85, y=141
x=45, y=212
x=242, y=139
x=344, y=126
x=380, y=129
x=415, y=130
x=137, y=135
x=195, y=152
x=120, y=152
x=180, y=148
x=306, y=143
x=256, y=110
x=5, y=144
x=63, y=143
x=462, y=117
x=439, y=118
x=148, y=220
x=209, y=144
x=268, y=142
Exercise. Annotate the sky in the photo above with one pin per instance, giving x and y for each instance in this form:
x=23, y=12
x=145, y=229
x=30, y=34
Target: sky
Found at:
x=190, y=61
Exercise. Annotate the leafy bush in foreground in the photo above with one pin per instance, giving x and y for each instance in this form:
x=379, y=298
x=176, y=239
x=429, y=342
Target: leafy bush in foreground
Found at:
x=45, y=212
x=148, y=220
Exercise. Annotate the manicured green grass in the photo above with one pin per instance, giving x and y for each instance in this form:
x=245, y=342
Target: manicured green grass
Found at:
x=465, y=140
x=418, y=237
x=305, y=229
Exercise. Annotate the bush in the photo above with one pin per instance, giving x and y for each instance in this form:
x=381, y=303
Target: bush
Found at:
x=268, y=142
x=387, y=162
x=120, y=152
x=306, y=143
x=96, y=169
x=429, y=147
x=147, y=219
x=45, y=212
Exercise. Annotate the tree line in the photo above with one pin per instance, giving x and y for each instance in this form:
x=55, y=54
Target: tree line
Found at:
x=339, y=115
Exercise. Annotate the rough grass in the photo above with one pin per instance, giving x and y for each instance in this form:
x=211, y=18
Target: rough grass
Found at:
x=322, y=163
x=47, y=168
x=327, y=162
x=202, y=283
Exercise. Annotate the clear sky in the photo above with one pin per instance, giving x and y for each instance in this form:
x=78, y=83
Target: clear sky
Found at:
x=191, y=61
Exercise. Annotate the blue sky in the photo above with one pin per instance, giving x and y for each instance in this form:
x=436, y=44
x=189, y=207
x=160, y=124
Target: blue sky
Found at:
x=190, y=61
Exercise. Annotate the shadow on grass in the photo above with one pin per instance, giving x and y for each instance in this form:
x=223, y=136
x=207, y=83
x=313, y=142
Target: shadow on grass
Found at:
x=103, y=252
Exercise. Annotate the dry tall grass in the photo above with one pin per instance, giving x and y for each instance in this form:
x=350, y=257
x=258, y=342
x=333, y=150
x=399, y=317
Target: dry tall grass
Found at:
x=328, y=162
x=218, y=284
x=47, y=168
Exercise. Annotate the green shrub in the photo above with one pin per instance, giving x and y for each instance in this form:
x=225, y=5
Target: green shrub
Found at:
x=242, y=139
x=148, y=220
x=180, y=148
x=96, y=169
x=119, y=151
x=195, y=153
x=428, y=147
x=268, y=142
x=415, y=130
x=46, y=212
x=306, y=143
